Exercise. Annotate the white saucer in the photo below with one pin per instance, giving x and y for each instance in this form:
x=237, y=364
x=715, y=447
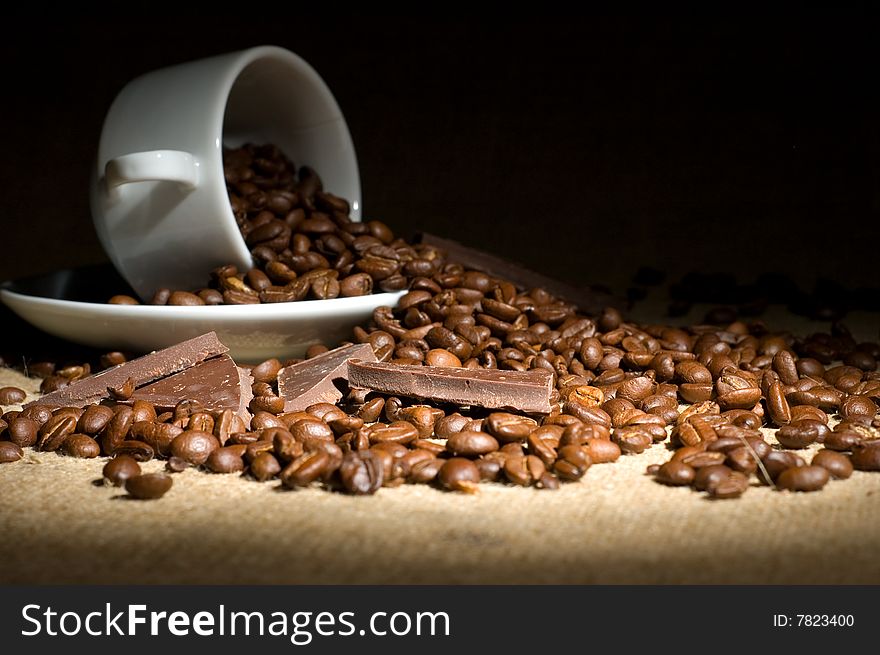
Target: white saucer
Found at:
x=58, y=303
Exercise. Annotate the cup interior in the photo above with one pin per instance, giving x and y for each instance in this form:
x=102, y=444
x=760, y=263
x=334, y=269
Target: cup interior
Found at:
x=280, y=99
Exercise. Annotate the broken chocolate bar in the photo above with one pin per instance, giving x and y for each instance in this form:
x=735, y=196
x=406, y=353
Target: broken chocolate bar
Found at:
x=142, y=370
x=217, y=384
x=524, y=391
x=311, y=381
x=587, y=300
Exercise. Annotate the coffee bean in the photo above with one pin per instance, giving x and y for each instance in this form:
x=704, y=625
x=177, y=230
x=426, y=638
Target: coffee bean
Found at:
x=305, y=469
x=313, y=428
x=227, y=459
x=857, y=406
x=508, y=427
x=572, y=462
x=459, y=474
x=12, y=396
x=266, y=371
x=676, y=474
x=10, y=452
x=733, y=485
x=777, y=404
x=176, y=465
x=524, y=470
x=632, y=440
x=94, y=419
x=194, y=447
x=799, y=434
x=425, y=471
x=264, y=466
x=708, y=476
x=839, y=466
x=471, y=444
x=120, y=468
x=361, y=472
x=397, y=431
x=866, y=456
x=23, y=431
x=148, y=486
x=81, y=445
x=140, y=451
x=803, y=478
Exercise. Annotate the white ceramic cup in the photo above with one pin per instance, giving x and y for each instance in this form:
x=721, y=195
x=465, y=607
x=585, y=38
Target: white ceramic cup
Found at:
x=158, y=192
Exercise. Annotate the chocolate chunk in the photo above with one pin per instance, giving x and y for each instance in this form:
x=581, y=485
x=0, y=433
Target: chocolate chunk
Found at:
x=217, y=383
x=525, y=391
x=142, y=370
x=588, y=300
x=311, y=381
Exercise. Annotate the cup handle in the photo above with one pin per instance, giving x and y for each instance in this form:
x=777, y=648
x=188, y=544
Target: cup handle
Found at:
x=153, y=165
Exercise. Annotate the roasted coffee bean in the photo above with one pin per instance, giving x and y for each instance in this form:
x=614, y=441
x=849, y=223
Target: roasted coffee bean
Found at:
x=266, y=371
x=313, y=428
x=777, y=404
x=225, y=460
x=843, y=440
x=854, y=406
x=602, y=451
x=264, y=466
x=176, y=465
x=785, y=365
x=142, y=411
x=733, y=485
x=421, y=417
x=471, y=444
x=676, y=474
x=158, y=435
x=305, y=469
x=10, y=452
x=80, y=445
x=866, y=456
x=22, y=431
x=38, y=413
x=361, y=472
x=632, y=439
x=800, y=434
x=372, y=410
x=441, y=357
x=572, y=462
x=450, y=424
x=140, y=451
x=508, y=427
x=12, y=396
x=839, y=466
x=459, y=474
x=148, y=486
x=742, y=459
x=708, y=476
x=94, y=419
x=524, y=470
x=55, y=431
x=775, y=462
x=194, y=447
x=120, y=468
x=803, y=478
x=425, y=471
x=397, y=431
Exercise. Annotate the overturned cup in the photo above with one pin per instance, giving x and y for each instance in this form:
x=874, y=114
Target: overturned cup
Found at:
x=158, y=194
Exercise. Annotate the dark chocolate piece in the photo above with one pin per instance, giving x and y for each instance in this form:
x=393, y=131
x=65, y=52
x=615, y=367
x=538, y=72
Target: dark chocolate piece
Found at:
x=142, y=370
x=311, y=381
x=524, y=391
x=217, y=383
x=587, y=300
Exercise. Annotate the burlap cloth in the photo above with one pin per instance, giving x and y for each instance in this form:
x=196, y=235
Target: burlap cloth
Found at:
x=615, y=526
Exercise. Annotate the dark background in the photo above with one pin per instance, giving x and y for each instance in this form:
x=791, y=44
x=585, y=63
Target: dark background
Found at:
x=585, y=147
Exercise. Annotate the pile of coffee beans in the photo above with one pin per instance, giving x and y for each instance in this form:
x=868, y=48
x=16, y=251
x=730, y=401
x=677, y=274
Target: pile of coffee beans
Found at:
x=304, y=244
x=705, y=390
